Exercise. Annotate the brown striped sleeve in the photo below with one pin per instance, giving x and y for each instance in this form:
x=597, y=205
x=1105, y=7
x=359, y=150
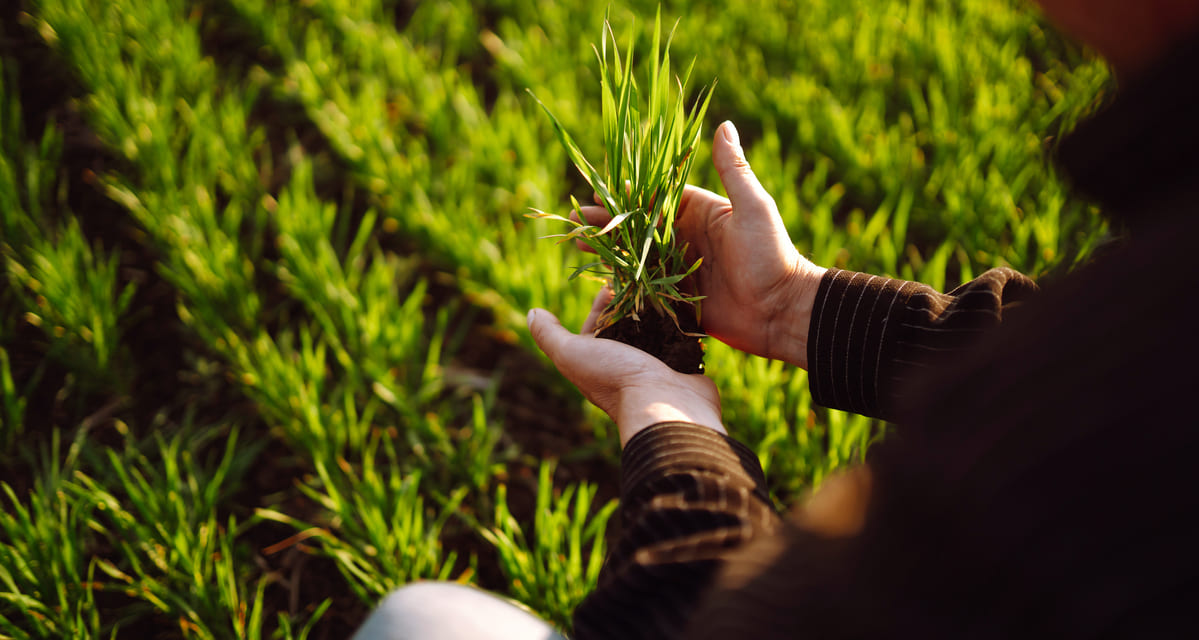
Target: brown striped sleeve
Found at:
x=868, y=334
x=689, y=497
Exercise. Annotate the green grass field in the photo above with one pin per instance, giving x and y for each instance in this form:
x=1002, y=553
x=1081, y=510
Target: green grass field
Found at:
x=266, y=264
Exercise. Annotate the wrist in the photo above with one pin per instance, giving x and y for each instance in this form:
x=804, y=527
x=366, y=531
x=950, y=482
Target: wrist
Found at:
x=787, y=330
x=640, y=410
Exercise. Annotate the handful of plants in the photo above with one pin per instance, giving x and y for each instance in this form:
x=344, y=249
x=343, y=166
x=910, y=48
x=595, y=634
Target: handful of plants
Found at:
x=649, y=138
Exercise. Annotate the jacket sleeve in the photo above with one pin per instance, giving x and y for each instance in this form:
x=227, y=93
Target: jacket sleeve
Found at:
x=868, y=334
x=689, y=497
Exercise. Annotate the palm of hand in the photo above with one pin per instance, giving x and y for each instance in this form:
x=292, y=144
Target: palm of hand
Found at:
x=634, y=388
x=748, y=270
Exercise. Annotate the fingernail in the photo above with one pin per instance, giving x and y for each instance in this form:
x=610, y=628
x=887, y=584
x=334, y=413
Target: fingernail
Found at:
x=730, y=133
x=532, y=312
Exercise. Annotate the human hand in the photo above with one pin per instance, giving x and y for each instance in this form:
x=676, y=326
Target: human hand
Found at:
x=634, y=388
x=758, y=291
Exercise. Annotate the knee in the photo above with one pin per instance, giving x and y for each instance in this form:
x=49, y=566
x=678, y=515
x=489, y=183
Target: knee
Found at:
x=408, y=612
x=417, y=598
x=451, y=611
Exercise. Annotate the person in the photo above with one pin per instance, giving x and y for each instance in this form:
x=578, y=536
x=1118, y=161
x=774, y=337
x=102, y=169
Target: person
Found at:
x=1039, y=481
x=1041, y=476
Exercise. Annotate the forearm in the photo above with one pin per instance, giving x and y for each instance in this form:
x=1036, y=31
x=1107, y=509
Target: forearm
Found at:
x=869, y=334
x=690, y=497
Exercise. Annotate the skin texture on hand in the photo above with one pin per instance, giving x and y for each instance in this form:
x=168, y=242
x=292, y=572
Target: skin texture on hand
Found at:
x=758, y=290
x=634, y=388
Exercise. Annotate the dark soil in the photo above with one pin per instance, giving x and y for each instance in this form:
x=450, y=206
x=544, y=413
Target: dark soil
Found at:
x=658, y=335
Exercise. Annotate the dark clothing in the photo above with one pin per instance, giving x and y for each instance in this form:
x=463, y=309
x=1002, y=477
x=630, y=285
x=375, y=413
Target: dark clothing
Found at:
x=1043, y=481
x=870, y=334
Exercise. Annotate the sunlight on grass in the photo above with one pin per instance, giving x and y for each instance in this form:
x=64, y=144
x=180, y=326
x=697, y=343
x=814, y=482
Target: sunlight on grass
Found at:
x=320, y=231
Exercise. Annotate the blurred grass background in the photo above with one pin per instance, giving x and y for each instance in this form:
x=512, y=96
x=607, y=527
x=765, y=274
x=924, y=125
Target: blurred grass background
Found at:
x=265, y=268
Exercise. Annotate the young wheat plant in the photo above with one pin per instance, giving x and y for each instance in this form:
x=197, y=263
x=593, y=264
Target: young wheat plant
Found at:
x=649, y=146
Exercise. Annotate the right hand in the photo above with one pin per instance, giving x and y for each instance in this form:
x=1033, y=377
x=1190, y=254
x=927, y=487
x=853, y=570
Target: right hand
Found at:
x=634, y=388
x=758, y=291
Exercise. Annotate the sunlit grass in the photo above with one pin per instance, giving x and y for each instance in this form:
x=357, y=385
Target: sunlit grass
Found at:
x=554, y=561
x=328, y=205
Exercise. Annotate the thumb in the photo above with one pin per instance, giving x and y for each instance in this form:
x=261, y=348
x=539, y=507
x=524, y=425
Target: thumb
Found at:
x=548, y=333
x=745, y=192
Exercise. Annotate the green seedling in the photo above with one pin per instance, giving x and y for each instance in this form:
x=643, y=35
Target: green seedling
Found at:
x=650, y=139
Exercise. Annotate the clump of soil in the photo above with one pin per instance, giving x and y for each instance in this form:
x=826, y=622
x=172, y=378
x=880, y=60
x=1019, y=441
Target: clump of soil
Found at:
x=657, y=334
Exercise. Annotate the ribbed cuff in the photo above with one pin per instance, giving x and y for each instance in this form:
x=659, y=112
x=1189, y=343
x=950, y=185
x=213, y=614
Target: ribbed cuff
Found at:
x=848, y=338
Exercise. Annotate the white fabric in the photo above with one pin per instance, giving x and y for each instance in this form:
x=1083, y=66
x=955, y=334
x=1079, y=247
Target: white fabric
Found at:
x=451, y=611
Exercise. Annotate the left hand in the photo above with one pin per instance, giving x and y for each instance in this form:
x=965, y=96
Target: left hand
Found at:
x=634, y=388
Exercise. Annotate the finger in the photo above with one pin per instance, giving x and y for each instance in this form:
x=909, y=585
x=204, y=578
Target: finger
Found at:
x=601, y=301
x=694, y=196
x=695, y=208
x=551, y=337
x=743, y=187
x=595, y=216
